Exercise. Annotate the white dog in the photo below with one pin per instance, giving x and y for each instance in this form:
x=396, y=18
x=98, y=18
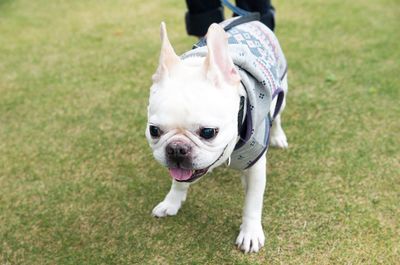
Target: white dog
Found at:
x=216, y=104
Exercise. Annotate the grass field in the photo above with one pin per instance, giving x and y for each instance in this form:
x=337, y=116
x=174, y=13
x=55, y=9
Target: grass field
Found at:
x=78, y=181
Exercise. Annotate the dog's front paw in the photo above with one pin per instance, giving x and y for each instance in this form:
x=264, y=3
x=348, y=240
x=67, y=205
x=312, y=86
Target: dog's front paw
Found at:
x=251, y=237
x=165, y=208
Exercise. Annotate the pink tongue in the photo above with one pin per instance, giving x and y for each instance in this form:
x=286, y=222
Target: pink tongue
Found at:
x=180, y=173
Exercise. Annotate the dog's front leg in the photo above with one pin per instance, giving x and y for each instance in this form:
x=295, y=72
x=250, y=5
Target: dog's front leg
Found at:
x=251, y=237
x=173, y=201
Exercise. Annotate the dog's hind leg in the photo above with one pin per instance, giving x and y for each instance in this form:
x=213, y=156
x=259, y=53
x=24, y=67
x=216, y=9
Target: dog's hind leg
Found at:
x=173, y=201
x=278, y=136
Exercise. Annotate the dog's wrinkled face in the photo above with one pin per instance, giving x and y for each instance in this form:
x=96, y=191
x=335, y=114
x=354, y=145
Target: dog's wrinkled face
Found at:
x=193, y=107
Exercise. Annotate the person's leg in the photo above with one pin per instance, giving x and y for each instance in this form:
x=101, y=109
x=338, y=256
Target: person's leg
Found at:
x=264, y=7
x=201, y=14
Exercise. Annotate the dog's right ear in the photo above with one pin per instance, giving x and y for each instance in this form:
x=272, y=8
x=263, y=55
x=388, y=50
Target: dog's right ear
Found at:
x=168, y=57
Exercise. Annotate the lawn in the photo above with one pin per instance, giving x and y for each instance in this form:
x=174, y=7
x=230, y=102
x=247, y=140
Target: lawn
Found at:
x=78, y=181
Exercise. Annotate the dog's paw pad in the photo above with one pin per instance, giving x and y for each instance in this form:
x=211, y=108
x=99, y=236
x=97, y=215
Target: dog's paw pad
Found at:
x=165, y=208
x=251, y=238
x=279, y=140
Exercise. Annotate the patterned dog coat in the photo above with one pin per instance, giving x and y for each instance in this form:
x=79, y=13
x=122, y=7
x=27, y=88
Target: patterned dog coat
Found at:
x=262, y=66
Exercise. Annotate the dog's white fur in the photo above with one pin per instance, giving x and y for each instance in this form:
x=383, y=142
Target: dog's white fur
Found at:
x=194, y=92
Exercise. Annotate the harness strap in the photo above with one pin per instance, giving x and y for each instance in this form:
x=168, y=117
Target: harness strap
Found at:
x=248, y=17
x=255, y=16
x=234, y=9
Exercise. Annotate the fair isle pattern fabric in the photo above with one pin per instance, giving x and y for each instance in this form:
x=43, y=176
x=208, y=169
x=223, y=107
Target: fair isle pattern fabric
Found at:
x=261, y=64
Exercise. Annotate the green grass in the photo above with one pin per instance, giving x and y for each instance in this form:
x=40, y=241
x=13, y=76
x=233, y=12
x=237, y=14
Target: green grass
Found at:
x=78, y=182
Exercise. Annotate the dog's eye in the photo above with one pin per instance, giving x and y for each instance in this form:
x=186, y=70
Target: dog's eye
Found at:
x=208, y=133
x=155, y=132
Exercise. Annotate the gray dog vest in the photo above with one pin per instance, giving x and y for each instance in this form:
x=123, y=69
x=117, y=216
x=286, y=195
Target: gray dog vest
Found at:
x=261, y=64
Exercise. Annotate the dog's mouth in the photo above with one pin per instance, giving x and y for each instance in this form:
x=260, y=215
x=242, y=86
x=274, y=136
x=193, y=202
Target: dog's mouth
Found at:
x=187, y=175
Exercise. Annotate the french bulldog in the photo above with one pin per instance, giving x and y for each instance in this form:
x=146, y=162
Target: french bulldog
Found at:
x=195, y=107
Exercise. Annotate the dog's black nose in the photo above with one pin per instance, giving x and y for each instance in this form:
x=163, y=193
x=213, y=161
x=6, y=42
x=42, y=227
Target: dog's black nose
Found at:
x=178, y=151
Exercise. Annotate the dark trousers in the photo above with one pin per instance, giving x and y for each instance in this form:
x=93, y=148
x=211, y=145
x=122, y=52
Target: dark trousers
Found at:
x=202, y=13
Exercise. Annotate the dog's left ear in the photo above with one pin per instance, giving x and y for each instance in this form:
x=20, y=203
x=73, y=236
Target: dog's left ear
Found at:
x=168, y=57
x=218, y=64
